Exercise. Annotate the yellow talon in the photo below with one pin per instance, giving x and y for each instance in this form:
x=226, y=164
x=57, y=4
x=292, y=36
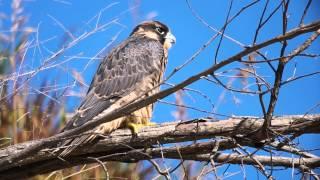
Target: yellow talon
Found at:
x=150, y=124
x=134, y=127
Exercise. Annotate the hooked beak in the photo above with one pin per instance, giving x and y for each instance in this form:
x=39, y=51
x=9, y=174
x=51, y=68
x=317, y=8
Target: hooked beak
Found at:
x=170, y=37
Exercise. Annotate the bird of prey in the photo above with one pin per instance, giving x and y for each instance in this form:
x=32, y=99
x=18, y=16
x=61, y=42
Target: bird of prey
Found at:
x=131, y=71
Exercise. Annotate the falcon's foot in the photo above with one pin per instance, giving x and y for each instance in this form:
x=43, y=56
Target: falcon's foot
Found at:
x=134, y=127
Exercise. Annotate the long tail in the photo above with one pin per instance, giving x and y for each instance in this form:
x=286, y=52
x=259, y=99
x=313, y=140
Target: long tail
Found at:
x=105, y=128
x=72, y=144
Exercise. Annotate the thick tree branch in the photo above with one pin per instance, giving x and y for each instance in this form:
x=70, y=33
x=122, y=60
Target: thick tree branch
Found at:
x=121, y=146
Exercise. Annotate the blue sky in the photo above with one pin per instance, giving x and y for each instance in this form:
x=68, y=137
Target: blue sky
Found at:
x=80, y=17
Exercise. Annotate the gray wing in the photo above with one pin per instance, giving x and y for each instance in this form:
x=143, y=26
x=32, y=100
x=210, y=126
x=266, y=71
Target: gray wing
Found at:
x=118, y=75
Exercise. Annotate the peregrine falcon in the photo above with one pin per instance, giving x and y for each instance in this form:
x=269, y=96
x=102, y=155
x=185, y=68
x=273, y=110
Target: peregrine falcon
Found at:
x=131, y=71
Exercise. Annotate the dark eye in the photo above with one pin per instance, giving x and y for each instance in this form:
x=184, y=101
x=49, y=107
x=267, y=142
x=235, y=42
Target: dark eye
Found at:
x=159, y=30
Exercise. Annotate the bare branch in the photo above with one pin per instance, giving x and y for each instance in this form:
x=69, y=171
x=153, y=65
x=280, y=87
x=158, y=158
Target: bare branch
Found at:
x=120, y=146
x=279, y=73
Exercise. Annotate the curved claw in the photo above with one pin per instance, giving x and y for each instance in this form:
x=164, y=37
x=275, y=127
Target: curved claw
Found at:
x=134, y=127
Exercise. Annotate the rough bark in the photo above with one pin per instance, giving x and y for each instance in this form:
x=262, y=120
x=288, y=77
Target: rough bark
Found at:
x=220, y=135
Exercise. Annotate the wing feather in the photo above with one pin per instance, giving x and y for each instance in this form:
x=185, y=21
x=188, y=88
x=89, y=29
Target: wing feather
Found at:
x=119, y=74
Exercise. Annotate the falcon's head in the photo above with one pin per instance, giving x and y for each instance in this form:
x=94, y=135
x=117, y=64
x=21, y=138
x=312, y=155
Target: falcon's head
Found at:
x=155, y=30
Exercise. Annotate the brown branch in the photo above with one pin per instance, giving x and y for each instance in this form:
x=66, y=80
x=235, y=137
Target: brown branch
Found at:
x=278, y=75
x=266, y=160
x=121, y=146
x=291, y=149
